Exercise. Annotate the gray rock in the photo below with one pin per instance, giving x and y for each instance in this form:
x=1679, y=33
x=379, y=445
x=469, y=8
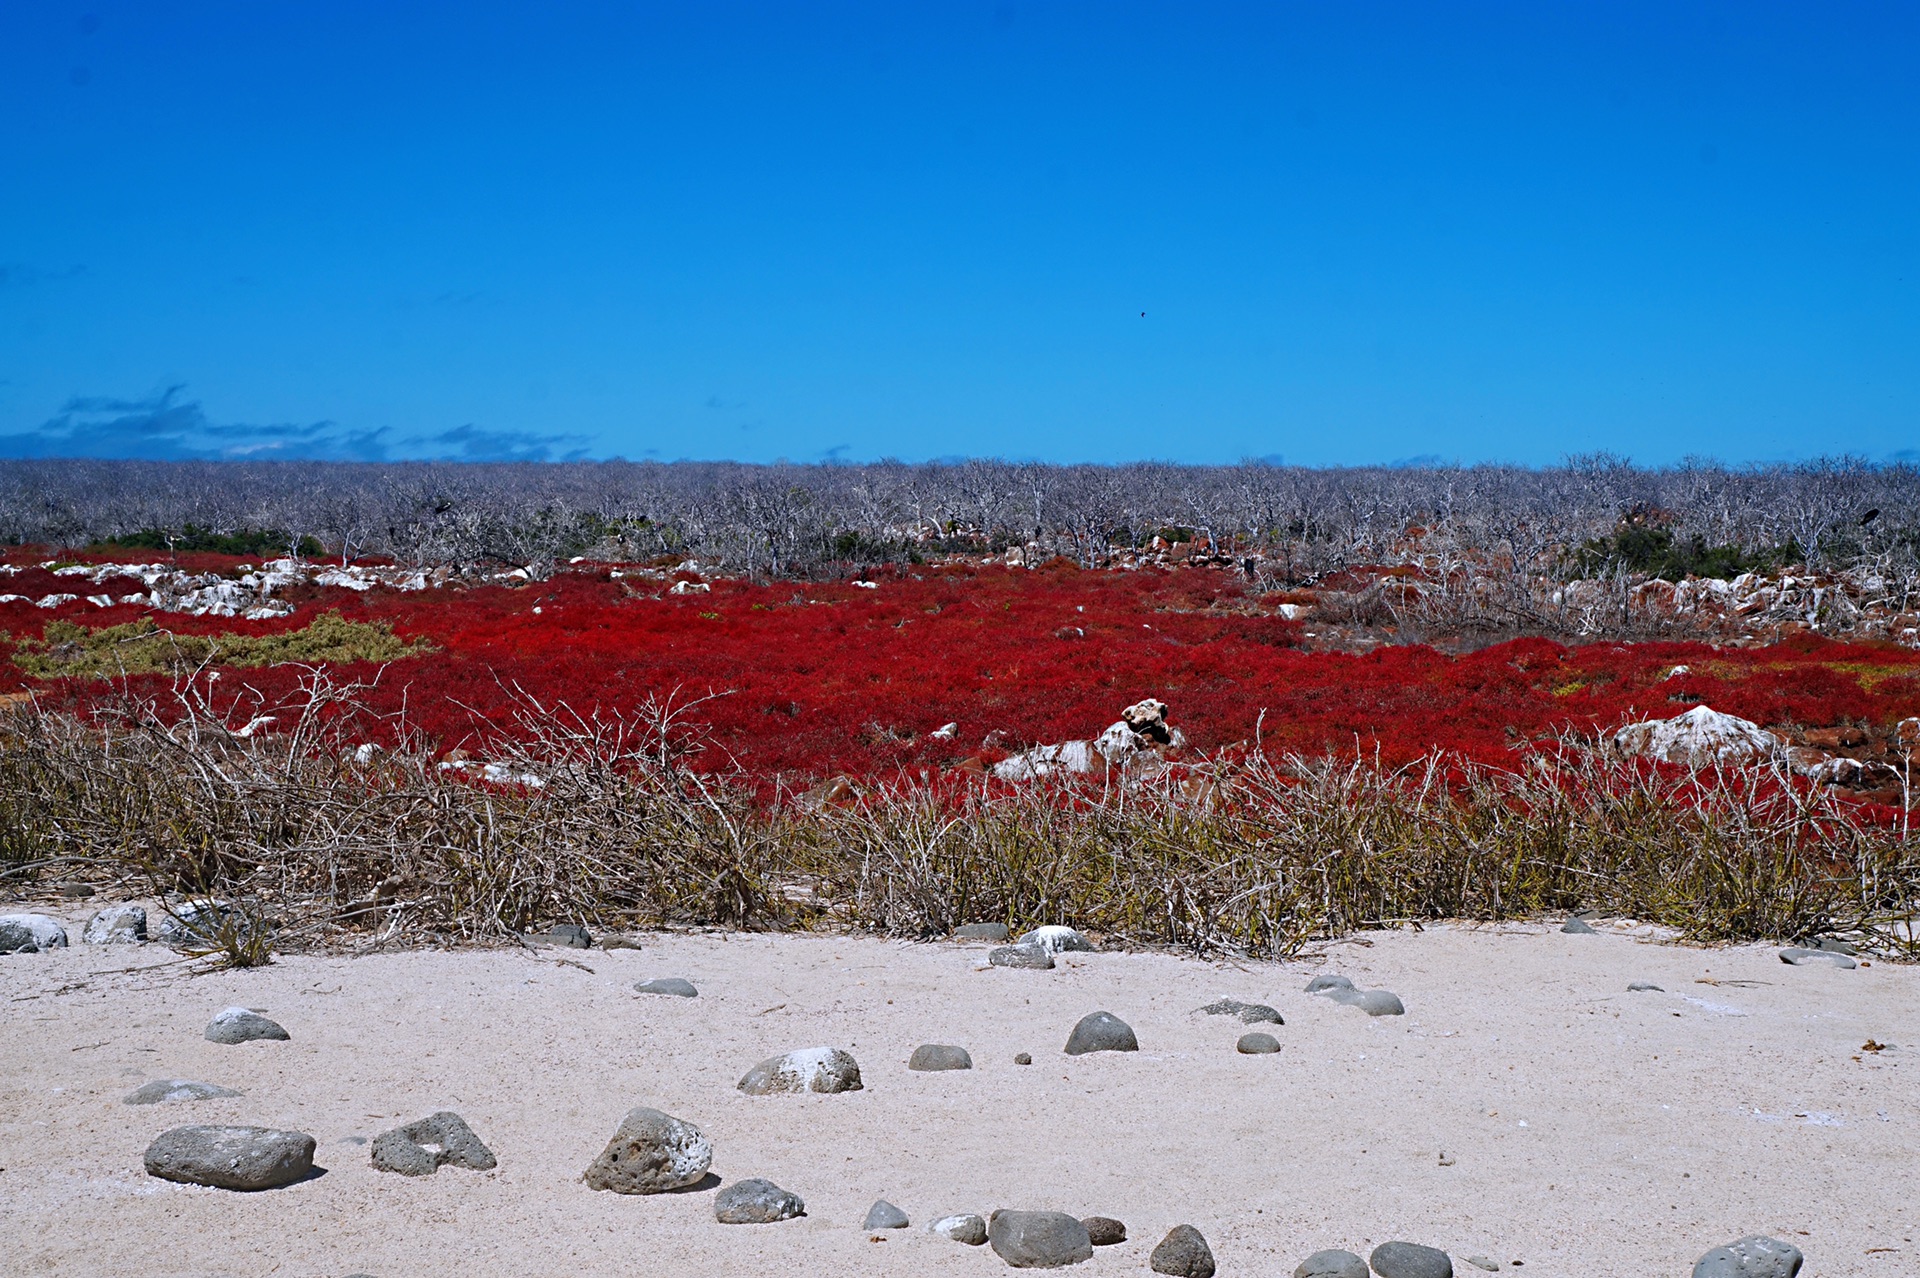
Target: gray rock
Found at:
x=1483, y=1262
x=1023, y=1058
x=677, y=987
x=1183, y=1253
x=1372, y=1002
x=75, y=891
x=30, y=934
x=424, y=1147
x=1754, y=1256
x=1643, y=987
x=756, y=1202
x=995, y=932
x=650, y=1154
x=1835, y=945
x=938, y=1056
x=812, y=1069
x=1331, y=1263
x=1328, y=981
x=1027, y=956
x=116, y=925
x=1576, y=926
x=1257, y=1045
x=1410, y=1260
x=971, y=1230
x=1101, y=1032
x=1057, y=940
x=165, y=1090
x=243, y=1025
x=1038, y=1239
x=1248, y=1013
x=1796, y=956
x=884, y=1215
x=618, y=942
x=570, y=935
x=1104, y=1231
x=231, y=1157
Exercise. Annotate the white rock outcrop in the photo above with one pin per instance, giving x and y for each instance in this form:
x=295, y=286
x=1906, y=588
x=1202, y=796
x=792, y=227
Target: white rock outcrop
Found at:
x=1702, y=737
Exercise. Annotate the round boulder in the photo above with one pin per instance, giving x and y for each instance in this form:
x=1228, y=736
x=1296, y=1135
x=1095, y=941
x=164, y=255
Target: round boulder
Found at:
x=812, y=1069
x=884, y=1215
x=929, y=1057
x=1183, y=1253
x=1105, y=1231
x=650, y=1154
x=676, y=987
x=1038, y=1239
x=31, y=934
x=1410, y=1260
x=1754, y=1256
x=423, y=1148
x=1257, y=1045
x=243, y=1025
x=231, y=1157
x=1331, y=1263
x=756, y=1202
x=968, y=1229
x=1101, y=1032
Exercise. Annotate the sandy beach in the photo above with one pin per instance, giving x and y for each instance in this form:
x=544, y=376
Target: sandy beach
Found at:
x=1586, y=1130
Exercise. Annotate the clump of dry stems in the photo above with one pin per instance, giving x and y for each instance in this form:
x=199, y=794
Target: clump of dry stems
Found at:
x=603, y=820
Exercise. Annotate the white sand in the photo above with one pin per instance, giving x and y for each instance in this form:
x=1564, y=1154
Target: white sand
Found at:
x=1572, y=1109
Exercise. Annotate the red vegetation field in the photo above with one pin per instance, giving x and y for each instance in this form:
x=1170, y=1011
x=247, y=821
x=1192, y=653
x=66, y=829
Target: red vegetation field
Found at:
x=824, y=679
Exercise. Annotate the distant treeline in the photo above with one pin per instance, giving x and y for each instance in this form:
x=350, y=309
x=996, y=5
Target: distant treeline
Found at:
x=1591, y=515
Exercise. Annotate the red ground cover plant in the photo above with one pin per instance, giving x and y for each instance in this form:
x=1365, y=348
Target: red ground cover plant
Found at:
x=821, y=679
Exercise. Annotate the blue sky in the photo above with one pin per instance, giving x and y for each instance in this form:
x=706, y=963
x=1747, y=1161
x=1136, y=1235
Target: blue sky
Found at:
x=1358, y=232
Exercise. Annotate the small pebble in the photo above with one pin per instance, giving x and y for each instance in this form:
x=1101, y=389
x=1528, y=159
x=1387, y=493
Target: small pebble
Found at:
x=1101, y=1032
x=1023, y=1058
x=1643, y=987
x=1576, y=926
x=1257, y=1045
x=1482, y=1262
x=1104, y=1231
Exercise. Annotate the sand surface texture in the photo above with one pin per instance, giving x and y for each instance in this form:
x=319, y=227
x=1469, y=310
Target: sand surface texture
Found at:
x=1590, y=1130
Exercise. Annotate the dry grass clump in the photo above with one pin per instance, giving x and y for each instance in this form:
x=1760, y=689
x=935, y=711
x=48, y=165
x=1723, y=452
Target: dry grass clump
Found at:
x=142, y=647
x=601, y=821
